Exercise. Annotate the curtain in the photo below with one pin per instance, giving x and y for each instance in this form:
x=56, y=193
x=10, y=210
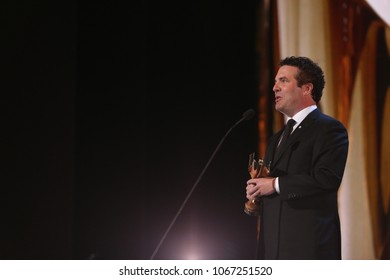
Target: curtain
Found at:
x=345, y=46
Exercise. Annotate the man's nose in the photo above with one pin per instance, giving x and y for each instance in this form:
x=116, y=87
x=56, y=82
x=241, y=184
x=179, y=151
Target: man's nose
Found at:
x=275, y=87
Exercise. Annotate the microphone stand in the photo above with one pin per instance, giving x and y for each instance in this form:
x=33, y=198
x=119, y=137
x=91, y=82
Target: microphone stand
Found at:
x=246, y=116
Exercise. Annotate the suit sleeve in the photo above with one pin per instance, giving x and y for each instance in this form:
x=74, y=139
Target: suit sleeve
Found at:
x=326, y=169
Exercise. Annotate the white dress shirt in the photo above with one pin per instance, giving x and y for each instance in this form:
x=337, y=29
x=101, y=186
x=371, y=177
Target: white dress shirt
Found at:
x=298, y=117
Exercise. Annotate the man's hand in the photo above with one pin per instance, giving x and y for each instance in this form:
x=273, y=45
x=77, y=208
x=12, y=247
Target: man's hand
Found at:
x=259, y=187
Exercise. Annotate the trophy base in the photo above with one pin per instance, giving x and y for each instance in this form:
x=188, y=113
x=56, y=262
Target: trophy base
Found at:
x=252, y=208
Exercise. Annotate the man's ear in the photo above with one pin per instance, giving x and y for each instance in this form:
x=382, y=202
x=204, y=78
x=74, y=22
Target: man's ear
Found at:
x=307, y=89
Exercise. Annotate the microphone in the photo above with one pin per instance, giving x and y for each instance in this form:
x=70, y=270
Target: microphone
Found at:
x=248, y=114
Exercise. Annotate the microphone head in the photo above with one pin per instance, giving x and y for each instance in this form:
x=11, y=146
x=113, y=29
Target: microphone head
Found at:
x=250, y=113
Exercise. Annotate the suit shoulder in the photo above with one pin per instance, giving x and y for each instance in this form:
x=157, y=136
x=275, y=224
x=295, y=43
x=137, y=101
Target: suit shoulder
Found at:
x=327, y=120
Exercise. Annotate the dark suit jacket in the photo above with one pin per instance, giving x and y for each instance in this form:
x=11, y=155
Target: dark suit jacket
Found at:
x=302, y=222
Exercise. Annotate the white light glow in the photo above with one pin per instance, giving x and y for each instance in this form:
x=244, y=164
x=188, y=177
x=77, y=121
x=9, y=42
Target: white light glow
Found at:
x=382, y=8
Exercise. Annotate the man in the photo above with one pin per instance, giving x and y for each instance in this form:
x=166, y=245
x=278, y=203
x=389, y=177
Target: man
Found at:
x=300, y=215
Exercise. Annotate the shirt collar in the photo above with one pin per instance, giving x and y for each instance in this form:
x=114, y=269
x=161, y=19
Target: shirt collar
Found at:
x=301, y=115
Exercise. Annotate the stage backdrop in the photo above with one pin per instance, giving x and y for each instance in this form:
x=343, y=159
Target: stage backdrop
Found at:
x=351, y=44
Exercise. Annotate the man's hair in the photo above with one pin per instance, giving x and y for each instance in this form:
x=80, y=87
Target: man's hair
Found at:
x=308, y=72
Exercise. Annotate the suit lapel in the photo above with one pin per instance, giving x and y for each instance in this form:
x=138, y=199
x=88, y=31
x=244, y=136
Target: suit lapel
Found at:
x=300, y=130
x=272, y=146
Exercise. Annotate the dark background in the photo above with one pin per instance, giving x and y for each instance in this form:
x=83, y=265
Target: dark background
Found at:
x=110, y=112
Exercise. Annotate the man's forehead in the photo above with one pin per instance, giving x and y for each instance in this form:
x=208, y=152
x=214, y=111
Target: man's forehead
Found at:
x=287, y=71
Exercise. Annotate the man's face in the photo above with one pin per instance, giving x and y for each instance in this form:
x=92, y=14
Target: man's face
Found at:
x=288, y=96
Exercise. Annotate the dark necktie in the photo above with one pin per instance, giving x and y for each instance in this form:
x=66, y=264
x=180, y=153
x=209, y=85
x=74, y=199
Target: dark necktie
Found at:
x=287, y=131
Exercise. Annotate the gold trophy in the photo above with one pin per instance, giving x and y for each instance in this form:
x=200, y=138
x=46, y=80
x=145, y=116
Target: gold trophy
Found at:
x=256, y=169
